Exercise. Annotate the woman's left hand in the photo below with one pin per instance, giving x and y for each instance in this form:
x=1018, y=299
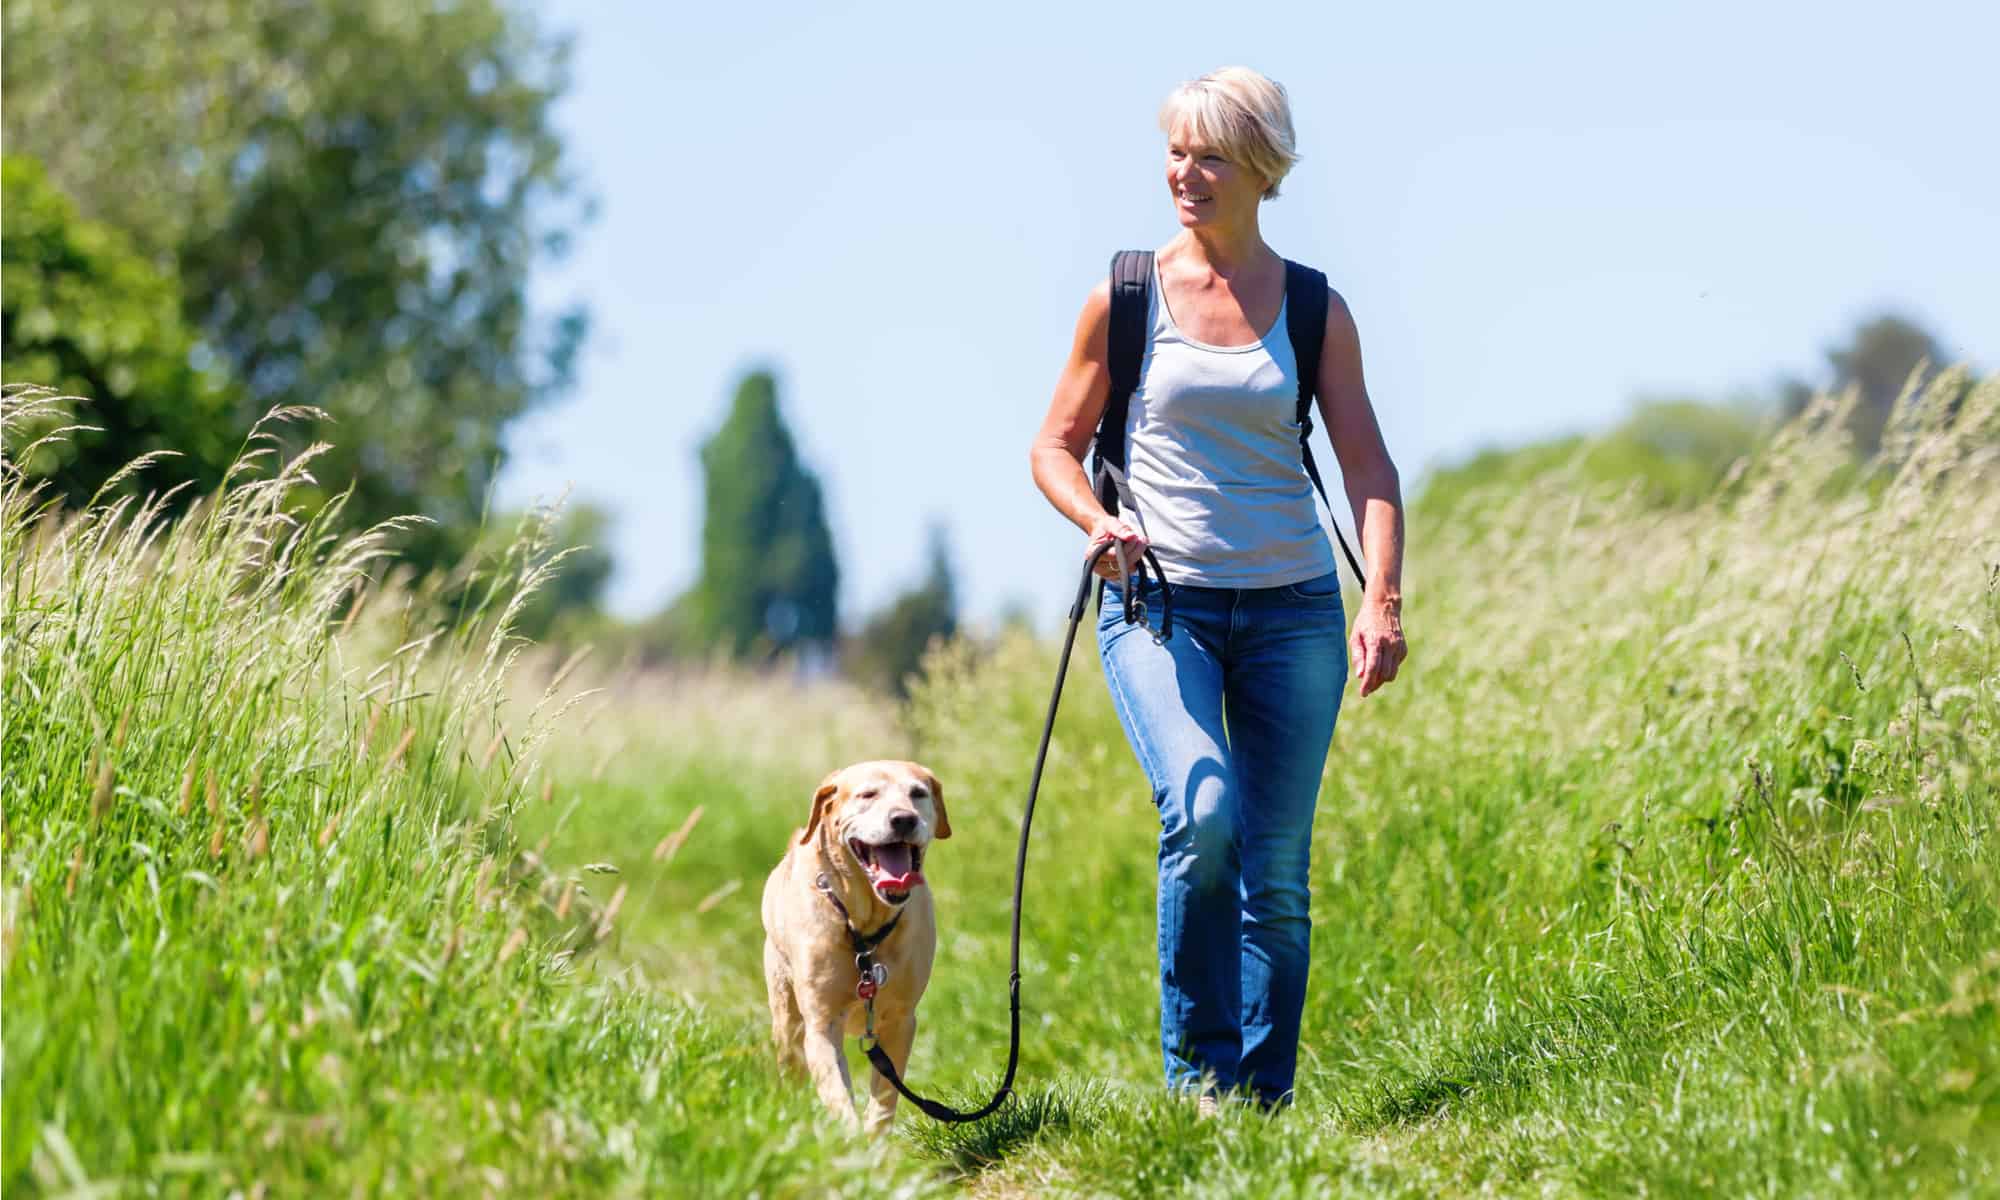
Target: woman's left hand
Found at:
x=1376, y=649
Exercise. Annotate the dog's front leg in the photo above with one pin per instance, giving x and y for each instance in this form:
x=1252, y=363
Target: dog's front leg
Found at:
x=897, y=1035
x=787, y=1023
x=827, y=1065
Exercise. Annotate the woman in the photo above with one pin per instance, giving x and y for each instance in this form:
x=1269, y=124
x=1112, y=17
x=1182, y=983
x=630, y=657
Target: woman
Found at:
x=1232, y=715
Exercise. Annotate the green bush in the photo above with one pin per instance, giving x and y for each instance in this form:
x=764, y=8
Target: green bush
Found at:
x=1673, y=453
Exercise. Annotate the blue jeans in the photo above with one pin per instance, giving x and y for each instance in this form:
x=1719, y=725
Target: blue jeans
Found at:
x=1231, y=719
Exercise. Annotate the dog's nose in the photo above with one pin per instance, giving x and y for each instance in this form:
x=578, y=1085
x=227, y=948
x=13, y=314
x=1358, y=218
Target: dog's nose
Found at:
x=903, y=824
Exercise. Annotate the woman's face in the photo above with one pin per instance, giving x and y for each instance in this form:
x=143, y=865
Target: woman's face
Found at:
x=1207, y=188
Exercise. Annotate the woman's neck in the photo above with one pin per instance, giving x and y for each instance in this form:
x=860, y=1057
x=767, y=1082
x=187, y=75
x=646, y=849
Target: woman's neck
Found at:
x=1226, y=252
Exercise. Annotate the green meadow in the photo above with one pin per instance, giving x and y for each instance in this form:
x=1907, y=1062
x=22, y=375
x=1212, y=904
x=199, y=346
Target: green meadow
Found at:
x=1670, y=866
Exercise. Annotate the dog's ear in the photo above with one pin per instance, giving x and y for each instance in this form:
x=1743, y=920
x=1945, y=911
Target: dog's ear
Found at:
x=827, y=790
x=943, y=829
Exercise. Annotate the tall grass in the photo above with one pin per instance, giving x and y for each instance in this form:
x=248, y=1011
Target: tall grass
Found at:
x=1668, y=867
x=268, y=925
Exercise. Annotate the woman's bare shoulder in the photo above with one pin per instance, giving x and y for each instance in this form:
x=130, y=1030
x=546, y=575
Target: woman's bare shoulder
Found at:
x=1093, y=324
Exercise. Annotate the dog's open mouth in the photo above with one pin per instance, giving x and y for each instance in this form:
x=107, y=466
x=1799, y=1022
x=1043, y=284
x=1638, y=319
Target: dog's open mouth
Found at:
x=894, y=868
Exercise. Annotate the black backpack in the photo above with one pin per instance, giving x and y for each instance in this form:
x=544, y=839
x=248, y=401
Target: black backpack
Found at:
x=1131, y=291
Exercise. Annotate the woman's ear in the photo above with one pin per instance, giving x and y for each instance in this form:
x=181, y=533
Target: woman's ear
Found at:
x=943, y=828
x=827, y=790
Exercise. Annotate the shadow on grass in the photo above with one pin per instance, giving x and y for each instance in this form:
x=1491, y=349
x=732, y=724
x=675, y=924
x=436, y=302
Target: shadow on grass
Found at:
x=975, y=1148
x=1572, y=1036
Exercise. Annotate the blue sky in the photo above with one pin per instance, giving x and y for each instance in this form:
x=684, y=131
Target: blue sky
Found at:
x=1536, y=212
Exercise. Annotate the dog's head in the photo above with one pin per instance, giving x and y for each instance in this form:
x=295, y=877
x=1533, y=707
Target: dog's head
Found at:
x=883, y=815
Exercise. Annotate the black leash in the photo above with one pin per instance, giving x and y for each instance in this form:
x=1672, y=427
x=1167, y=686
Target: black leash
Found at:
x=873, y=974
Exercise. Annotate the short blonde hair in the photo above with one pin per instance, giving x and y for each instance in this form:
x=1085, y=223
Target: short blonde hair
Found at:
x=1241, y=112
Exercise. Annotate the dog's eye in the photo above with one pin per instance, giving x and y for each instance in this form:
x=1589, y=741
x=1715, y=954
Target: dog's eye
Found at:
x=870, y=794
x=919, y=793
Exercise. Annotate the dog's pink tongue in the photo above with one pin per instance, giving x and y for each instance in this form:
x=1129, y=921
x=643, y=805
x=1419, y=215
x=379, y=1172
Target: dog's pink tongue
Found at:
x=896, y=867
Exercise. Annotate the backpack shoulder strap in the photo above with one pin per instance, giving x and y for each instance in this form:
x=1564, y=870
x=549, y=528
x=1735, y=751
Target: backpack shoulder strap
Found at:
x=1305, y=324
x=1131, y=295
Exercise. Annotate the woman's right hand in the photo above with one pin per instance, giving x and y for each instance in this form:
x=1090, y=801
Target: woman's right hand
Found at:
x=1131, y=544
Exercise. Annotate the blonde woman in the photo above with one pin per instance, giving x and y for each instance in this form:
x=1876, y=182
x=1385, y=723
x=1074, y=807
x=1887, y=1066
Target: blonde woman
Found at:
x=1231, y=716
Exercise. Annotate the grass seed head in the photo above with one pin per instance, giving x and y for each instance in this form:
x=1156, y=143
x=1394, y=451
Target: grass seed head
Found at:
x=402, y=747
x=102, y=795
x=354, y=610
x=187, y=788
x=75, y=870
x=717, y=896
x=368, y=732
x=672, y=843
x=515, y=941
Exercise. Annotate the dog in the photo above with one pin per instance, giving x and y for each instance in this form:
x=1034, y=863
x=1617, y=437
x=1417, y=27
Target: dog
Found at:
x=855, y=872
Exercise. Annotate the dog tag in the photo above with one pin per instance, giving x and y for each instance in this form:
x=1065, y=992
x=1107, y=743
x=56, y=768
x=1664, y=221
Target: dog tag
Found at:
x=872, y=980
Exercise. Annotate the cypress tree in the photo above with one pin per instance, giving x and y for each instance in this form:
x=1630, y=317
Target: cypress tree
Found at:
x=768, y=572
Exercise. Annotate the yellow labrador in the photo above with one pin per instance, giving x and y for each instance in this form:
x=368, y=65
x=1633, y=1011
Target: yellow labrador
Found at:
x=854, y=879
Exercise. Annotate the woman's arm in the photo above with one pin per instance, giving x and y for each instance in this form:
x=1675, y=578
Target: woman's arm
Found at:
x=1056, y=458
x=1374, y=490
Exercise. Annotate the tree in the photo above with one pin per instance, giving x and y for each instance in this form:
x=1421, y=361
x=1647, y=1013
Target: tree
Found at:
x=352, y=195
x=889, y=650
x=768, y=572
x=1878, y=360
x=84, y=314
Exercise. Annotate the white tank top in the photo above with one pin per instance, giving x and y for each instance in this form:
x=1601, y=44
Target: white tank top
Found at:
x=1212, y=456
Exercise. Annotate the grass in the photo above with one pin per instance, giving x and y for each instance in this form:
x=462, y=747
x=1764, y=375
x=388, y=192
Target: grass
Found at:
x=1668, y=867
